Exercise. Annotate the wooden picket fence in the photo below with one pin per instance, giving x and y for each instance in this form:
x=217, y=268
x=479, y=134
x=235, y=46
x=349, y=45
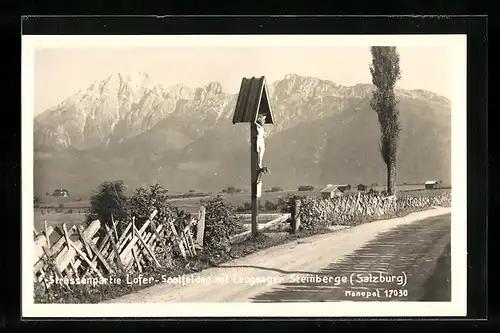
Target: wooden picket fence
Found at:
x=100, y=251
x=343, y=210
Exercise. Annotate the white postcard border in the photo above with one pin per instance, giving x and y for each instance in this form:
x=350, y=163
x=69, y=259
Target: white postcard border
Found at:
x=458, y=305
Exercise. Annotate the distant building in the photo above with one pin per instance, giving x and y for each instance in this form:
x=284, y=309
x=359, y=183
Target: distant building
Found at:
x=331, y=191
x=362, y=187
x=346, y=187
x=60, y=192
x=431, y=184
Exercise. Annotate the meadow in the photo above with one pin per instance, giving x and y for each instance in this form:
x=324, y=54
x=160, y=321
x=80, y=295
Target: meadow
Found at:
x=71, y=209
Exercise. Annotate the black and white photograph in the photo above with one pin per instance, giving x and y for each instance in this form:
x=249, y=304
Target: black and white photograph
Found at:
x=229, y=176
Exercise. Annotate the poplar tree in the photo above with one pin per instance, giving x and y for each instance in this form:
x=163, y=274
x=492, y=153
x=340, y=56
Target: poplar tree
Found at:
x=385, y=73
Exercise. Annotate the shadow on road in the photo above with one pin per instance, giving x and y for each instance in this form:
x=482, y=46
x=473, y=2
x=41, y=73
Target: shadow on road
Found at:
x=440, y=277
x=410, y=252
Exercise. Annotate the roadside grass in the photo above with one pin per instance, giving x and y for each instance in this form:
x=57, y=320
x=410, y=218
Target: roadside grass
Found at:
x=85, y=293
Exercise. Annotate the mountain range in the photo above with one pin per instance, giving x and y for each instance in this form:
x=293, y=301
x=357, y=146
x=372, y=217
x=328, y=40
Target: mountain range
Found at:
x=130, y=128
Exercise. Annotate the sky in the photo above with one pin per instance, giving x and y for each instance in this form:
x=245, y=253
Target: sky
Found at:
x=61, y=72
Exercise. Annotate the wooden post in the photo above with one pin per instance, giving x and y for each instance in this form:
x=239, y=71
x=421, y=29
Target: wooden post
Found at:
x=91, y=247
x=253, y=170
x=178, y=239
x=296, y=217
x=47, y=234
x=253, y=100
x=200, y=230
x=114, y=226
x=136, y=259
x=148, y=249
x=114, y=248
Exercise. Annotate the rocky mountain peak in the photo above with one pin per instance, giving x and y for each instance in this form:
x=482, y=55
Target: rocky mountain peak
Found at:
x=211, y=91
x=214, y=87
x=306, y=86
x=122, y=106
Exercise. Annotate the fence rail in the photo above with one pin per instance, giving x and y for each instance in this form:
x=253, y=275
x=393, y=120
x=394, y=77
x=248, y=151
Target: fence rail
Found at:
x=280, y=218
x=99, y=250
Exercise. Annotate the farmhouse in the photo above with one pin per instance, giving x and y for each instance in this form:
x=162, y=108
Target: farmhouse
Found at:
x=362, y=187
x=331, y=191
x=431, y=184
x=60, y=192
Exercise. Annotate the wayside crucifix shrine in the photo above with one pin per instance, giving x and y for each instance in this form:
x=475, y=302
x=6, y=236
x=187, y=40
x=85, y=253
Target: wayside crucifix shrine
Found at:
x=253, y=107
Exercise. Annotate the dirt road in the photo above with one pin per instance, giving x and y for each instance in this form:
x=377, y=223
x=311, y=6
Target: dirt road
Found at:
x=406, y=247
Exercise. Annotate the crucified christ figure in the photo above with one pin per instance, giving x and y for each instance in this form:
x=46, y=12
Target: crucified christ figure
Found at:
x=261, y=147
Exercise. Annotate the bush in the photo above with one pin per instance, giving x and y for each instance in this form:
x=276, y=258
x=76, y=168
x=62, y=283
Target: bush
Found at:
x=287, y=206
x=247, y=206
x=232, y=190
x=190, y=194
x=70, y=211
x=221, y=223
x=109, y=199
x=270, y=206
x=144, y=201
x=60, y=208
x=304, y=188
x=311, y=218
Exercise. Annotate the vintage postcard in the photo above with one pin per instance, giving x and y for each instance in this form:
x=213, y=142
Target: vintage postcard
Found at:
x=243, y=176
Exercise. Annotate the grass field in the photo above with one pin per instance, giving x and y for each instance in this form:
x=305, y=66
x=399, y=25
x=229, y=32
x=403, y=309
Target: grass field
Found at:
x=238, y=199
x=56, y=219
x=83, y=202
x=75, y=207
